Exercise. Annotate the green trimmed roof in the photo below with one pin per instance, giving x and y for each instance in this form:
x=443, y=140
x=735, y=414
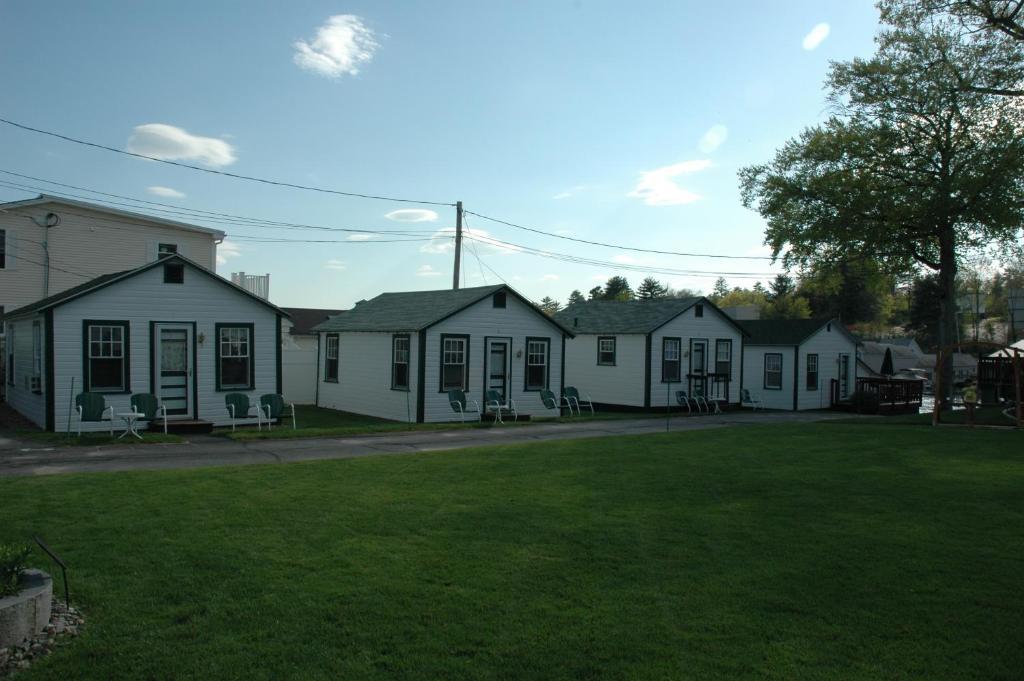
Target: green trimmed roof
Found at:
x=106, y=279
x=413, y=310
x=783, y=331
x=623, y=316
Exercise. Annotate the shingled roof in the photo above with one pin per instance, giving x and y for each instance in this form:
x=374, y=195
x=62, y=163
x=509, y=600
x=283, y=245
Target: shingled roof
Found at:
x=785, y=331
x=108, y=279
x=414, y=310
x=304, y=319
x=625, y=316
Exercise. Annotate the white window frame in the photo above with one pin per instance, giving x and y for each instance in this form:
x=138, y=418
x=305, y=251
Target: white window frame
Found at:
x=601, y=342
x=666, y=344
x=111, y=348
x=773, y=356
x=532, y=355
x=331, y=353
x=233, y=342
x=397, y=354
x=453, y=347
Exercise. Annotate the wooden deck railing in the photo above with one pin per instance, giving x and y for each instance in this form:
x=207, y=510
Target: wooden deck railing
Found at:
x=892, y=393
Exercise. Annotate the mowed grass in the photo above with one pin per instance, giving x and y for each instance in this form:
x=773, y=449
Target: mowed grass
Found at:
x=769, y=552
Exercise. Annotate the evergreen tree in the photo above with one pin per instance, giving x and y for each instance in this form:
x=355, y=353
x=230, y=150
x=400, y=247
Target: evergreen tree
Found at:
x=617, y=288
x=596, y=293
x=650, y=288
x=576, y=297
x=721, y=289
x=550, y=305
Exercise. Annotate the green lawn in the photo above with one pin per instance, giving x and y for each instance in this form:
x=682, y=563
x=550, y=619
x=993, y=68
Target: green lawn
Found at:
x=768, y=552
x=983, y=416
x=321, y=422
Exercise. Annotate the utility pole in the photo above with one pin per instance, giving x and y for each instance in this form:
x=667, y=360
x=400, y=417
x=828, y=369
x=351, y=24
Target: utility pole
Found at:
x=458, y=245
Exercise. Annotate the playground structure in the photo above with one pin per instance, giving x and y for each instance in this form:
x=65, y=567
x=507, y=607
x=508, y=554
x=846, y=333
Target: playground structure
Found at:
x=999, y=378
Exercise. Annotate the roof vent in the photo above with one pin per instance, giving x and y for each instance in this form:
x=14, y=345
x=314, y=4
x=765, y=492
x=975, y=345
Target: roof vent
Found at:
x=360, y=302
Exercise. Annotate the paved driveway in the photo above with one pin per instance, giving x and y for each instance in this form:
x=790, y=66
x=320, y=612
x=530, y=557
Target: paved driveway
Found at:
x=18, y=458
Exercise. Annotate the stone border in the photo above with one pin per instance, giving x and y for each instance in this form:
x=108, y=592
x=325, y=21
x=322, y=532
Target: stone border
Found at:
x=24, y=614
x=64, y=625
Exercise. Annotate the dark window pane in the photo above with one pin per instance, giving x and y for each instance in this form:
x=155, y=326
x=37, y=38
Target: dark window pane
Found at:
x=234, y=371
x=453, y=376
x=106, y=374
x=401, y=375
x=535, y=376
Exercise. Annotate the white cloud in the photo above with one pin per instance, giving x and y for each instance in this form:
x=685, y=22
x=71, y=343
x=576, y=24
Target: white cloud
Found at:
x=359, y=237
x=340, y=47
x=657, y=188
x=550, y=277
x=427, y=271
x=412, y=215
x=334, y=264
x=443, y=241
x=166, y=192
x=169, y=143
x=227, y=249
x=816, y=36
x=571, y=191
x=713, y=138
x=624, y=259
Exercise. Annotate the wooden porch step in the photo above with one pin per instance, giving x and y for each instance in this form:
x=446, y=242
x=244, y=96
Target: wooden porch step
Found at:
x=182, y=426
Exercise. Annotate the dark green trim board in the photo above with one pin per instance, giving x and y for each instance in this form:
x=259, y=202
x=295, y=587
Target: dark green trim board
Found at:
x=126, y=341
x=337, y=360
x=421, y=375
x=764, y=382
x=49, y=368
x=615, y=351
x=252, y=354
x=547, y=362
x=796, y=376
x=740, y=387
x=679, y=377
x=487, y=358
x=440, y=362
x=561, y=373
x=154, y=361
x=316, y=392
x=278, y=383
x=408, y=367
x=647, y=371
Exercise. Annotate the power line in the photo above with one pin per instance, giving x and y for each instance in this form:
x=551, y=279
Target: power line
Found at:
x=565, y=257
x=223, y=173
x=171, y=208
x=619, y=246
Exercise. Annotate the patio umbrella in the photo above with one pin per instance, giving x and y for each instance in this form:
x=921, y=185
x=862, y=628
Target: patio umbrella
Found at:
x=887, y=363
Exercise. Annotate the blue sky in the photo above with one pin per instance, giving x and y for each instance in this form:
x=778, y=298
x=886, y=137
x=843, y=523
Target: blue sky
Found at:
x=597, y=120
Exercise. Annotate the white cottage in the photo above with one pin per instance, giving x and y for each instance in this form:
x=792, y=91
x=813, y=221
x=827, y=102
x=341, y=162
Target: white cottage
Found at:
x=637, y=353
x=171, y=328
x=799, y=364
x=397, y=356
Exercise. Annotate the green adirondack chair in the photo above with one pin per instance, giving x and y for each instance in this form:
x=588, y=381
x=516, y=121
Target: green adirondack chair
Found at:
x=149, y=406
x=92, y=408
x=273, y=408
x=460, y=405
x=240, y=408
x=492, y=400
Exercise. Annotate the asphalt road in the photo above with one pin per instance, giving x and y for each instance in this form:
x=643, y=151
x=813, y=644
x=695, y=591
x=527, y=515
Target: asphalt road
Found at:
x=19, y=458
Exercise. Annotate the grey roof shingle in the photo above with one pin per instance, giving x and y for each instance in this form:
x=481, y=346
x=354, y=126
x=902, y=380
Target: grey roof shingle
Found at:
x=622, y=316
x=785, y=331
x=412, y=310
x=305, y=318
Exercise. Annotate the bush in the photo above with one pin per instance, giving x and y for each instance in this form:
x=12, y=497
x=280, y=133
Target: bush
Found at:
x=865, y=402
x=12, y=563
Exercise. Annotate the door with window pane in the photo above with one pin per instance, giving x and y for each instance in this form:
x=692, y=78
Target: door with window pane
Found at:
x=497, y=369
x=698, y=367
x=174, y=371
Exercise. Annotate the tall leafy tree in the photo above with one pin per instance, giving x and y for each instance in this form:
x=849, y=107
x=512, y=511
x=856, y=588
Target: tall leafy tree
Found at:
x=576, y=297
x=617, y=288
x=596, y=293
x=550, y=305
x=650, y=288
x=912, y=171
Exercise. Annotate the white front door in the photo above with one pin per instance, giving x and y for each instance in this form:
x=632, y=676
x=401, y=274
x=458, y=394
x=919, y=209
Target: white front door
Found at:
x=175, y=375
x=496, y=372
x=844, y=376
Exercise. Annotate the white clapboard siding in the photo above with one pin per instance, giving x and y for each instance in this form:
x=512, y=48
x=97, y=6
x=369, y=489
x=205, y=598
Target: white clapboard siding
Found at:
x=687, y=326
x=86, y=244
x=20, y=396
x=516, y=321
x=753, y=375
x=364, y=377
x=298, y=368
x=144, y=298
x=621, y=384
x=828, y=343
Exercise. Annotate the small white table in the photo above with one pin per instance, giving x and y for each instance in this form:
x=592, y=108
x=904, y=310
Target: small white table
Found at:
x=131, y=419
